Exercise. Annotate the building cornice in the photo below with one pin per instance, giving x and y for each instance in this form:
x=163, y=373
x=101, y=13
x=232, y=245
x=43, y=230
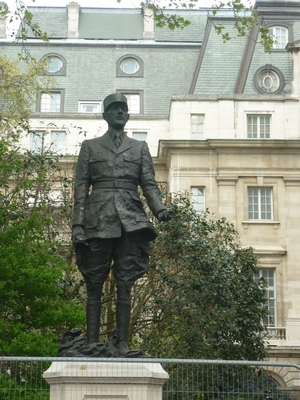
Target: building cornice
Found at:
x=225, y=146
x=283, y=352
x=143, y=43
x=86, y=116
x=280, y=9
x=234, y=97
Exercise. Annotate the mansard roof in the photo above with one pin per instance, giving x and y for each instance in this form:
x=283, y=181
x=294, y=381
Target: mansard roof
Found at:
x=191, y=61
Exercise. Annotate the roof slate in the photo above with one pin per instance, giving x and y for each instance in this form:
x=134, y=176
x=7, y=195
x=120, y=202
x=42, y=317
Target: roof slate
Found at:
x=192, y=33
x=56, y=25
x=221, y=63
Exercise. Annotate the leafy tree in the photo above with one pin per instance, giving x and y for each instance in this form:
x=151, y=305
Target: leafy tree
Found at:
x=20, y=83
x=38, y=289
x=199, y=299
x=37, y=275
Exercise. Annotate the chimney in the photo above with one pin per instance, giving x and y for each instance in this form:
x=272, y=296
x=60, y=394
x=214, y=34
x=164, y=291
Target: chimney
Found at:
x=148, y=24
x=3, y=6
x=73, y=19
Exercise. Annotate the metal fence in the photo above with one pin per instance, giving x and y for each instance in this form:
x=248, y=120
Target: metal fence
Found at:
x=22, y=378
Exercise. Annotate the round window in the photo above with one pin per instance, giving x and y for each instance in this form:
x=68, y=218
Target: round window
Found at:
x=129, y=66
x=269, y=80
x=54, y=64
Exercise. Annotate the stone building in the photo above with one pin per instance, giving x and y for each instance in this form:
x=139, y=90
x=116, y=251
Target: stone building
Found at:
x=222, y=121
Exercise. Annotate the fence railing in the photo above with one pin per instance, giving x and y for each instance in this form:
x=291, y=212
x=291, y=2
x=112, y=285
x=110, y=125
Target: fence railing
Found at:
x=22, y=378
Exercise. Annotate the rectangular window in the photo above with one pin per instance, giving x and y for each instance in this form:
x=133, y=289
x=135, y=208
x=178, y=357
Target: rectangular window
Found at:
x=90, y=107
x=269, y=275
x=280, y=36
x=58, y=142
x=142, y=136
x=51, y=102
x=197, y=126
x=198, y=199
x=258, y=126
x=259, y=204
x=37, y=141
x=134, y=102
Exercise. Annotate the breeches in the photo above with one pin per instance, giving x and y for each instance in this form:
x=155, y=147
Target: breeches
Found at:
x=128, y=256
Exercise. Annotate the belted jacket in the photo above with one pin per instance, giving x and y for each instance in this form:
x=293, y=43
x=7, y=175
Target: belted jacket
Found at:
x=106, y=198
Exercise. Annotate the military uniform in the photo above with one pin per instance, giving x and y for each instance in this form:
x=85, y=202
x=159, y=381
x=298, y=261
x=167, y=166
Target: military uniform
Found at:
x=113, y=209
x=114, y=175
x=114, y=228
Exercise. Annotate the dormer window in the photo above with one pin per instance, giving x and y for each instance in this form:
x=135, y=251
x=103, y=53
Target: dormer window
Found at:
x=280, y=36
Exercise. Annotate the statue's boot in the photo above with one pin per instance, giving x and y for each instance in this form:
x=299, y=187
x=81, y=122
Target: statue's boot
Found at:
x=93, y=311
x=123, y=308
x=123, y=321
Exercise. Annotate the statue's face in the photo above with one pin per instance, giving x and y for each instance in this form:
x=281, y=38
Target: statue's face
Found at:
x=116, y=115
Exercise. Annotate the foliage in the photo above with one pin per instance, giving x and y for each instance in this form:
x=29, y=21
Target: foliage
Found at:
x=37, y=284
x=37, y=275
x=23, y=380
x=20, y=84
x=199, y=299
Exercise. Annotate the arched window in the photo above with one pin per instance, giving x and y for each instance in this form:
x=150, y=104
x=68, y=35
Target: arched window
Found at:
x=280, y=36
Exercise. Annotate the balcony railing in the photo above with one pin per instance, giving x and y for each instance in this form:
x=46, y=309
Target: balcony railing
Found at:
x=276, y=333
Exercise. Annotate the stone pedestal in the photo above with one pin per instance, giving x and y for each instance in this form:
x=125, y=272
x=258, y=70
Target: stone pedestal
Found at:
x=105, y=380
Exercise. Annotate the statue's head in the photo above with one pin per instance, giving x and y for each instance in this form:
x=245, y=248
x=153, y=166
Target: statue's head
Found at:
x=114, y=98
x=115, y=110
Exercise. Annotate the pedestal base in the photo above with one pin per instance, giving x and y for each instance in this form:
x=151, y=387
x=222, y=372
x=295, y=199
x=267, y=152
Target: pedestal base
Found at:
x=105, y=380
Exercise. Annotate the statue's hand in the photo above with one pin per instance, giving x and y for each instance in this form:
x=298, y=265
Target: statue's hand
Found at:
x=164, y=215
x=78, y=235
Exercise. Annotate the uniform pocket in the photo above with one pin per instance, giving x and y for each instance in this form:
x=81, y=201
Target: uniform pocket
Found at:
x=132, y=165
x=91, y=215
x=99, y=168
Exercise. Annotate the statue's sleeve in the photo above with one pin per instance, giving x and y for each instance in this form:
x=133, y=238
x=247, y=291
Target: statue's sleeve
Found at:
x=82, y=184
x=148, y=183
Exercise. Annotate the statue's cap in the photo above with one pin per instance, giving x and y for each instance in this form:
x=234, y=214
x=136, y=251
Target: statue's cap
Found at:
x=114, y=98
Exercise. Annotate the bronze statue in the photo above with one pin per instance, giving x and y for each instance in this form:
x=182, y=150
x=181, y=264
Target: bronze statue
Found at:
x=110, y=224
